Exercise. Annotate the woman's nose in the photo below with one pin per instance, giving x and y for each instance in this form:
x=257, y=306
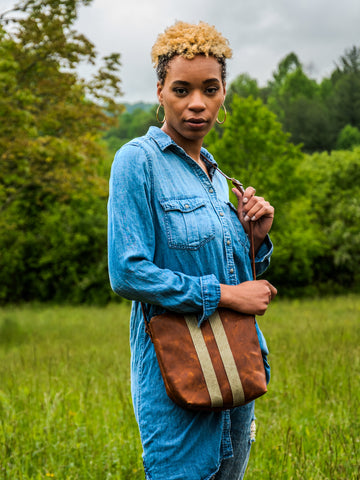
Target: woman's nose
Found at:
x=196, y=101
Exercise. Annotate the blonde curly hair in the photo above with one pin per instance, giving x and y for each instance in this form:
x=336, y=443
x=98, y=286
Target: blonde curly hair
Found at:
x=188, y=40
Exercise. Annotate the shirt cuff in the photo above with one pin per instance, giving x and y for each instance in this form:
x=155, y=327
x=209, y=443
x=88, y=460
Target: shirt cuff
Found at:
x=262, y=259
x=210, y=291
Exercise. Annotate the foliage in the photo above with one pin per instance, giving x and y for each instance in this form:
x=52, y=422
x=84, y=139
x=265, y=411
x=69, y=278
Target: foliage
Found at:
x=296, y=99
x=52, y=193
x=345, y=100
x=310, y=124
x=333, y=187
x=288, y=64
x=313, y=113
x=350, y=61
x=243, y=86
x=65, y=405
x=348, y=137
x=130, y=125
x=57, y=132
x=130, y=107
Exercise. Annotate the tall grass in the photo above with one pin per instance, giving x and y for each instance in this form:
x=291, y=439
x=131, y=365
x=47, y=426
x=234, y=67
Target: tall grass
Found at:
x=65, y=409
x=309, y=422
x=65, y=406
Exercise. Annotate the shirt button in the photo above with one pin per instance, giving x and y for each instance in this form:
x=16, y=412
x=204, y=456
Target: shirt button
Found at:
x=228, y=242
x=221, y=214
x=186, y=206
x=231, y=270
x=211, y=190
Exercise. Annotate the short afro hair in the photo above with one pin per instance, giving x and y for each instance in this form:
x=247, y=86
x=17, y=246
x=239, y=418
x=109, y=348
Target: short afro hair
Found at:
x=188, y=40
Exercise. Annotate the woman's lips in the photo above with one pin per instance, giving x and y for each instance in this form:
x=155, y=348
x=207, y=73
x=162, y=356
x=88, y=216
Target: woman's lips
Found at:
x=196, y=122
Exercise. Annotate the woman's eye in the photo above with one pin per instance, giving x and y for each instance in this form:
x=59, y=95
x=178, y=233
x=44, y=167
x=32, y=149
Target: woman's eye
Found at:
x=212, y=90
x=180, y=91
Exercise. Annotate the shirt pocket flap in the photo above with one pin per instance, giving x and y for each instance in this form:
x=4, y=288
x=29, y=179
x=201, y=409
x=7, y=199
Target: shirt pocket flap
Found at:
x=188, y=222
x=183, y=205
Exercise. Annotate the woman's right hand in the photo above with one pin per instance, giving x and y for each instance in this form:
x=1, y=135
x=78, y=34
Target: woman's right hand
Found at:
x=252, y=297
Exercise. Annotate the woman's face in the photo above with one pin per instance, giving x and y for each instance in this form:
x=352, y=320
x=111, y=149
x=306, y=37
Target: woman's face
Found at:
x=192, y=94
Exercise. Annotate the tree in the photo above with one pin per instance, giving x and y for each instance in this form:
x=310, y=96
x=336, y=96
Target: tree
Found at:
x=348, y=138
x=53, y=197
x=349, y=62
x=243, y=86
x=310, y=124
x=130, y=125
x=288, y=64
x=333, y=188
x=345, y=99
x=298, y=102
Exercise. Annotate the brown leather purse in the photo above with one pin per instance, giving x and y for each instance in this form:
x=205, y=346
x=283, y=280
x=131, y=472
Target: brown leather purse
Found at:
x=216, y=366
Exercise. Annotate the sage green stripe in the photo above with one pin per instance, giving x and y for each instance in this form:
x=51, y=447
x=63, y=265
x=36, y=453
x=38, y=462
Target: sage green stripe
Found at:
x=205, y=361
x=227, y=358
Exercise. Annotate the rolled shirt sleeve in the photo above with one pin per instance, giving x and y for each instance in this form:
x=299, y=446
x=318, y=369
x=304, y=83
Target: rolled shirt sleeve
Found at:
x=262, y=259
x=210, y=287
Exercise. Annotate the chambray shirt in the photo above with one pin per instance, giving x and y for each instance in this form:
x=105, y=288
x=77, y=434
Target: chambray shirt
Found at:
x=173, y=237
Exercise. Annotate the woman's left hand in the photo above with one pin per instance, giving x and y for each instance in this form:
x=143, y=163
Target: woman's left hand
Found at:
x=257, y=210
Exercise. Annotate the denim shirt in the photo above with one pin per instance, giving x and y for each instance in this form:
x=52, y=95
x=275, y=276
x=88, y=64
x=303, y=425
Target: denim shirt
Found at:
x=173, y=238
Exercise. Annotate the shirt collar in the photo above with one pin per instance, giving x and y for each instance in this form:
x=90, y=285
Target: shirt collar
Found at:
x=164, y=141
x=161, y=138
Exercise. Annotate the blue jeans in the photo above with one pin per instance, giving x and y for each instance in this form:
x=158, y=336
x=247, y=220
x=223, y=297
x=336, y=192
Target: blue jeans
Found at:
x=242, y=435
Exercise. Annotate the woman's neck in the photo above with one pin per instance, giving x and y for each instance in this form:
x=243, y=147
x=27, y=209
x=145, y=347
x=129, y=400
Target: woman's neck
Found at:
x=191, y=146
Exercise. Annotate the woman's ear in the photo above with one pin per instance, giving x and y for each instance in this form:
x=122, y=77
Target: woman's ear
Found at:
x=159, y=91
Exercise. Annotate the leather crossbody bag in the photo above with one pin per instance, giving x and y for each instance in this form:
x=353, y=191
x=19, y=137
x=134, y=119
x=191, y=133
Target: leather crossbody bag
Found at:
x=216, y=366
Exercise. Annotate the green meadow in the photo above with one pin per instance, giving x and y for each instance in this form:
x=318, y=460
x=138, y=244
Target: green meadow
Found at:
x=66, y=412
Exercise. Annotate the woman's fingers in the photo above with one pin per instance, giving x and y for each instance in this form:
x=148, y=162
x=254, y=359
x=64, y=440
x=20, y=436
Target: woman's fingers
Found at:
x=248, y=194
x=251, y=297
x=251, y=207
x=272, y=290
x=263, y=293
x=256, y=208
x=266, y=289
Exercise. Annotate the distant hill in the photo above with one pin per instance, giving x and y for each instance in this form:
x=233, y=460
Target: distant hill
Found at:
x=130, y=107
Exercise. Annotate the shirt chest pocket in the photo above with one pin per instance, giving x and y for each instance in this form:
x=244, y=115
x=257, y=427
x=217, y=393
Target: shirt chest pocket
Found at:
x=188, y=222
x=239, y=232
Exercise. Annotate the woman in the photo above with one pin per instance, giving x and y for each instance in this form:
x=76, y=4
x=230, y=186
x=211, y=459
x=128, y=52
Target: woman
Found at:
x=176, y=243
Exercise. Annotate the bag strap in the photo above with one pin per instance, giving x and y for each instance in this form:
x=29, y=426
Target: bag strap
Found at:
x=147, y=329
x=240, y=187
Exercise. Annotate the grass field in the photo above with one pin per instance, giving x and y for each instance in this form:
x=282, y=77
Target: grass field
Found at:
x=66, y=413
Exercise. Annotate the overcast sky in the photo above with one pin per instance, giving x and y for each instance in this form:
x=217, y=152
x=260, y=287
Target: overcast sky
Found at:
x=261, y=33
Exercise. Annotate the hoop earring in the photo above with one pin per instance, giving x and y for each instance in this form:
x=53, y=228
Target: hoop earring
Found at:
x=225, y=112
x=157, y=114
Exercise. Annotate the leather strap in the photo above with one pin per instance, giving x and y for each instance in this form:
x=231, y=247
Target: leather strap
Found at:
x=240, y=187
x=251, y=238
x=147, y=330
